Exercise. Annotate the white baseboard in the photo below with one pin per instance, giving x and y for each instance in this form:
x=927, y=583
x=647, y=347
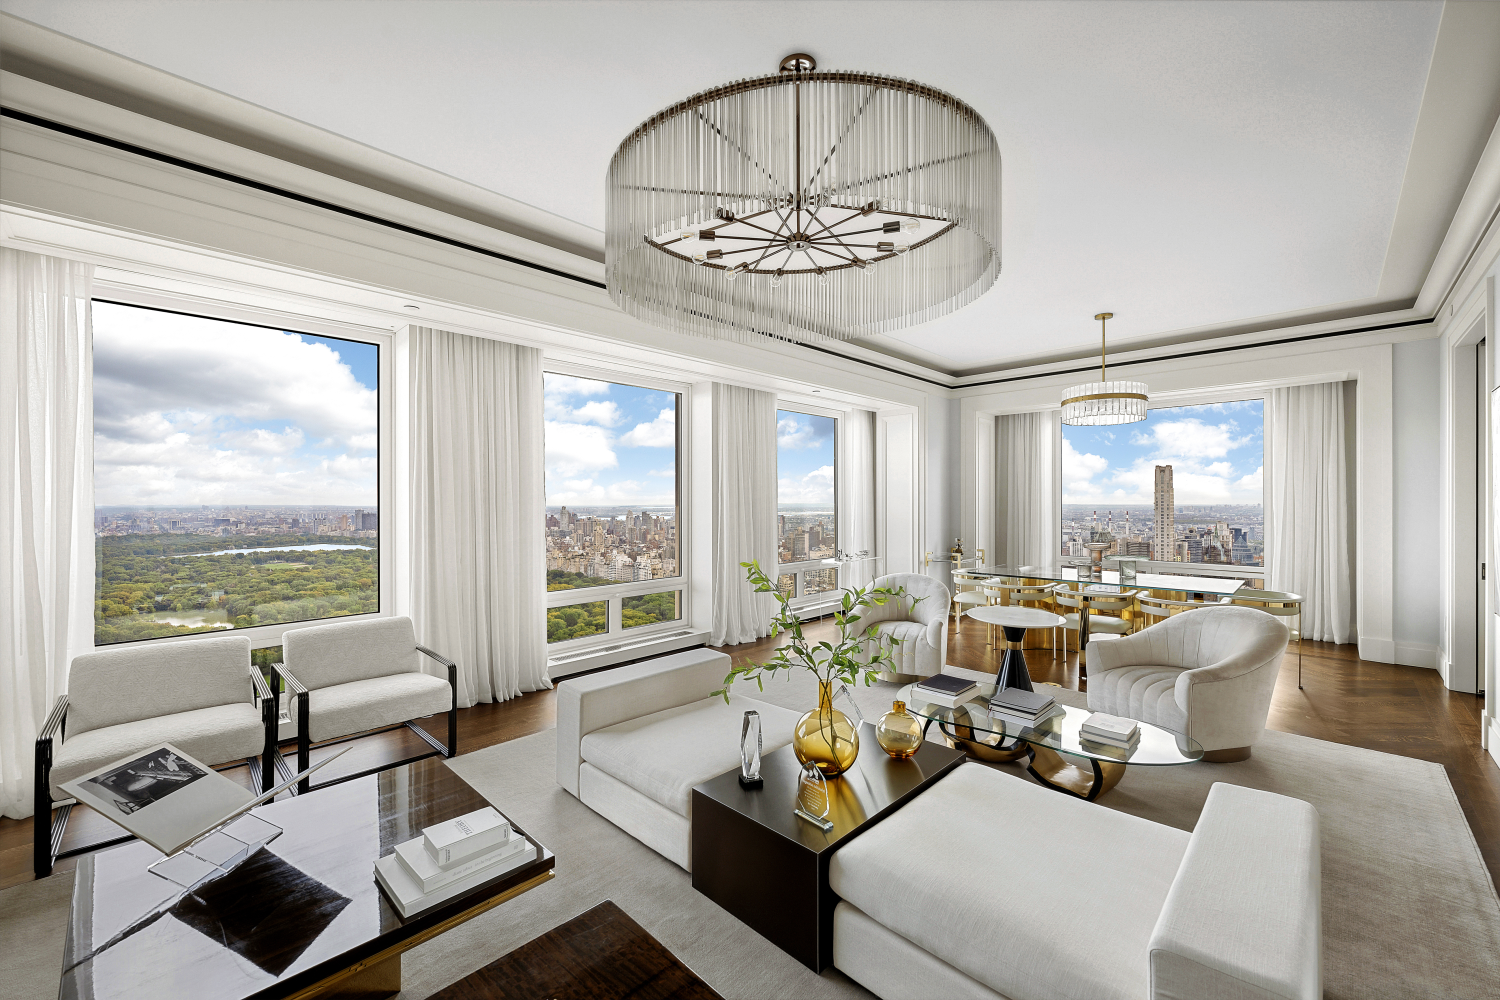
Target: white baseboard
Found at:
x=1416, y=654
x=1493, y=743
x=1377, y=650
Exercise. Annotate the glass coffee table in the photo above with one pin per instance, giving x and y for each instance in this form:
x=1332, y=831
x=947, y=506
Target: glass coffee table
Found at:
x=1057, y=755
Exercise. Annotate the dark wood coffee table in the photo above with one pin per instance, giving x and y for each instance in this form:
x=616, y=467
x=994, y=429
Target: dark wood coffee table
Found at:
x=599, y=953
x=302, y=918
x=756, y=859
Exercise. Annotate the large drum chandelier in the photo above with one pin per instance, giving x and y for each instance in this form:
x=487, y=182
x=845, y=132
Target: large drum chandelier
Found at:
x=804, y=205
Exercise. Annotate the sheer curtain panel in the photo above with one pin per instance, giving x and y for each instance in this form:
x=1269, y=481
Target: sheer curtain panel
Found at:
x=47, y=559
x=479, y=578
x=1307, y=534
x=744, y=515
x=857, y=502
x=1028, y=476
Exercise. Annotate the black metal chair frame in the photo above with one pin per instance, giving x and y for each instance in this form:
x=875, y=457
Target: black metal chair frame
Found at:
x=47, y=833
x=298, y=690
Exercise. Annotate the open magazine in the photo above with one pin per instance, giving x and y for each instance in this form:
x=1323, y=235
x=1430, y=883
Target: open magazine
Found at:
x=167, y=798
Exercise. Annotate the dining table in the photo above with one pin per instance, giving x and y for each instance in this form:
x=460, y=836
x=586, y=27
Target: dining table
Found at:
x=1194, y=586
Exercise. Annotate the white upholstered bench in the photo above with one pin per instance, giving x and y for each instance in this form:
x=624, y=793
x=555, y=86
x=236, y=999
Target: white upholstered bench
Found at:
x=633, y=741
x=988, y=886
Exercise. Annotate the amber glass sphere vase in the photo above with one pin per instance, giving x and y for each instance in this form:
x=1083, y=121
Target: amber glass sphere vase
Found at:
x=825, y=736
x=898, y=732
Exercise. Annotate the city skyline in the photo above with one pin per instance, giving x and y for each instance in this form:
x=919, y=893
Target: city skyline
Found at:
x=1216, y=451
x=190, y=410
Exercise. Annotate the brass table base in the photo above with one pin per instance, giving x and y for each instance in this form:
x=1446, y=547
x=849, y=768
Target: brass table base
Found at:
x=1087, y=779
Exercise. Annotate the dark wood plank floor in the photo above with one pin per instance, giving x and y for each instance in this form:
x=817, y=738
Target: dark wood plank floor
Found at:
x=1394, y=709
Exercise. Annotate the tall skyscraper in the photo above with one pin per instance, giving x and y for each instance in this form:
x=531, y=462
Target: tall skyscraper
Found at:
x=1164, y=527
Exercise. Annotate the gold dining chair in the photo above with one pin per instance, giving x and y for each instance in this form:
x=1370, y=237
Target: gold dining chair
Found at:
x=1019, y=594
x=1280, y=604
x=1160, y=608
x=1103, y=608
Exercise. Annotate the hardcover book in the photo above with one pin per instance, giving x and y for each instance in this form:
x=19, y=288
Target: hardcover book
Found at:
x=453, y=843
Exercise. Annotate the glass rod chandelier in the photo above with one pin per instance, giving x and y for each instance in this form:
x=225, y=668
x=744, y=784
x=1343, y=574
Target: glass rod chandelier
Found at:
x=804, y=205
x=1104, y=402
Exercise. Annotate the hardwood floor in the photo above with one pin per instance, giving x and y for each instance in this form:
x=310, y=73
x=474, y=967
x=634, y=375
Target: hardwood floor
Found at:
x=1379, y=706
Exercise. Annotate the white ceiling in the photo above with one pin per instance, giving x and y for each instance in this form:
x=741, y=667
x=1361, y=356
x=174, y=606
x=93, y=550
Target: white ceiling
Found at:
x=1184, y=165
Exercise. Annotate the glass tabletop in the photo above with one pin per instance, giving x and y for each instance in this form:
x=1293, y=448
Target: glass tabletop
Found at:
x=1061, y=732
x=1061, y=573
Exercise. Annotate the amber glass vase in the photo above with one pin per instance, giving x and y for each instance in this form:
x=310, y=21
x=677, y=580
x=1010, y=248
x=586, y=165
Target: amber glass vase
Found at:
x=898, y=732
x=825, y=736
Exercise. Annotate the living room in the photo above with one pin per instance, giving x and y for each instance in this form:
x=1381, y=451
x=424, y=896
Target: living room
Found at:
x=616, y=499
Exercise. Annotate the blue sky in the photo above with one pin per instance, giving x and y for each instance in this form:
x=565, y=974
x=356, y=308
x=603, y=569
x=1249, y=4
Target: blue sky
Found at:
x=189, y=410
x=609, y=444
x=1215, y=451
x=804, y=457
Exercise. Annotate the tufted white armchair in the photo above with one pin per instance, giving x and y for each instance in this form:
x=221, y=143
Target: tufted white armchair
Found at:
x=918, y=621
x=1208, y=673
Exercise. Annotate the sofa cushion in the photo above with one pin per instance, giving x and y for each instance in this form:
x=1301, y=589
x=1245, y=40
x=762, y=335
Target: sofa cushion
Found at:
x=345, y=709
x=663, y=755
x=119, y=684
x=213, y=736
x=1144, y=693
x=1035, y=894
x=342, y=652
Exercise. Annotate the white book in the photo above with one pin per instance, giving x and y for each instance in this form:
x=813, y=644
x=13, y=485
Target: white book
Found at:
x=430, y=875
x=949, y=701
x=1112, y=726
x=408, y=898
x=1107, y=741
x=453, y=843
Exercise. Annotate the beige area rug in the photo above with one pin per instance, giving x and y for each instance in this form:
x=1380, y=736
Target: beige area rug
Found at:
x=33, y=925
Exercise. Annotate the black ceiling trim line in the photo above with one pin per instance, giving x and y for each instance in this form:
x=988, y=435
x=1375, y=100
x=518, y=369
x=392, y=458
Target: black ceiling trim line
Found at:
x=872, y=364
x=1210, y=350
x=224, y=175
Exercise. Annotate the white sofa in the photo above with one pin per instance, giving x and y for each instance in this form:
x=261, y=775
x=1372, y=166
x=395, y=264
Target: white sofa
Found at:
x=633, y=741
x=917, y=621
x=1208, y=673
x=988, y=886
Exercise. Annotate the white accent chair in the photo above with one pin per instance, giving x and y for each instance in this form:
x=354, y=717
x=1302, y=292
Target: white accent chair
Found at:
x=633, y=741
x=1126, y=908
x=917, y=621
x=360, y=677
x=202, y=696
x=1208, y=673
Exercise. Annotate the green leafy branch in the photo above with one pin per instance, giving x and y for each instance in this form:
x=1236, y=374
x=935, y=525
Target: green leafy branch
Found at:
x=860, y=654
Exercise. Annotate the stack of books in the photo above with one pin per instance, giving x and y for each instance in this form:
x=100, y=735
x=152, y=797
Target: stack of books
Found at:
x=1027, y=709
x=1111, y=731
x=450, y=859
x=947, y=690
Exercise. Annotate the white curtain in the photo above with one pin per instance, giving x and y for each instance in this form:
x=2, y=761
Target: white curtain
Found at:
x=479, y=578
x=46, y=445
x=857, y=499
x=1028, y=475
x=1307, y=506
x=744, y=514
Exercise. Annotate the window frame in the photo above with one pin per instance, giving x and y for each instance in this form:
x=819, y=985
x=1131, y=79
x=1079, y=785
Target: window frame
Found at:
x=1173, y=400
x=799, y=599
x=614, y=593
x=263, y=636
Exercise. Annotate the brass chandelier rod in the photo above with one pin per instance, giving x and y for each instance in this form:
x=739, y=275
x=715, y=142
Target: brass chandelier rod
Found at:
x=1102, y=318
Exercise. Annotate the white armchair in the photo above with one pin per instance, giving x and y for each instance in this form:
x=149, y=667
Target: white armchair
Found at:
x=353, y=678
x=1208, y=673
x=917, y=621
x=202, y=696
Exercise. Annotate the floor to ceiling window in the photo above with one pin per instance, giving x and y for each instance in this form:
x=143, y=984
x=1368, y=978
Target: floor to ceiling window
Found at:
x=1182, y=486
x=612, y=524
x=807, y=502
x=236, y=475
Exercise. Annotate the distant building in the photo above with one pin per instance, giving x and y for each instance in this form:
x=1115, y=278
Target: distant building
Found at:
x=1164, y=528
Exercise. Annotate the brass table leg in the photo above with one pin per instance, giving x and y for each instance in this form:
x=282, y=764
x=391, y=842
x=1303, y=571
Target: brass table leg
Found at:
x=1048, y=767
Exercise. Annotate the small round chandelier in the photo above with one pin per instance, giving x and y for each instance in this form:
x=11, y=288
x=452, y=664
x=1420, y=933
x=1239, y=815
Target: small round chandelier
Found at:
x=804, y=205
x=1104, y=402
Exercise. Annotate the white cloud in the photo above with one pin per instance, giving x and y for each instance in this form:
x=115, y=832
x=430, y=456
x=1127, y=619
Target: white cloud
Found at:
x=589, y=493
x=659, y=433
x=571, y=385
x=602, y=412
x=1254, y=481
x=1192, y=438
x=792, y=432
x=814, y=487
x=193, y=410
x=1223, y=469
x=1080, y=467
x=574, y=448
x=667, y=473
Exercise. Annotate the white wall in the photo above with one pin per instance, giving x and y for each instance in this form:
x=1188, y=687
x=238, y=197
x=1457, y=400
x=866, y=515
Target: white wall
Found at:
x=1416, y=508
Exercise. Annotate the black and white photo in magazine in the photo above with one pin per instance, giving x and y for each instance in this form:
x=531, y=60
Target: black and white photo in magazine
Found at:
x=138, y=783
